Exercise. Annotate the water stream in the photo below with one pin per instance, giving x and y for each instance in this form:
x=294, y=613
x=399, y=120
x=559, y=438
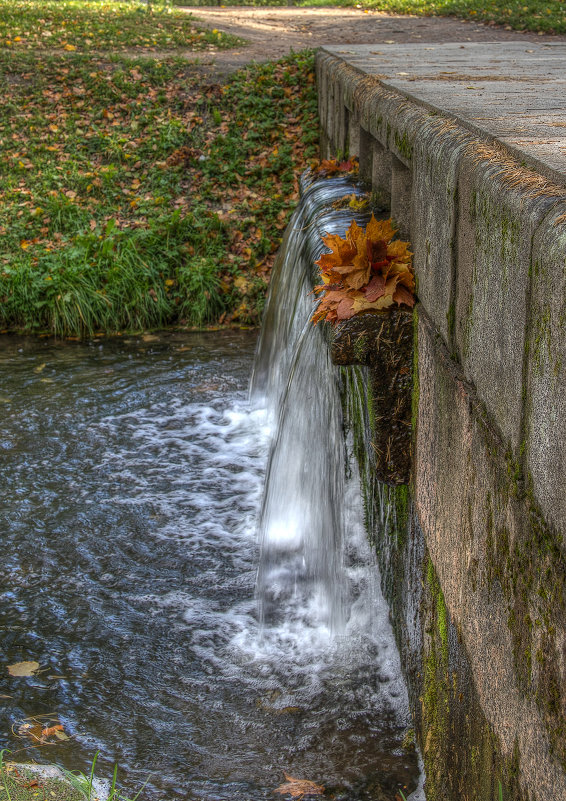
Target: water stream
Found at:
x=173, y=639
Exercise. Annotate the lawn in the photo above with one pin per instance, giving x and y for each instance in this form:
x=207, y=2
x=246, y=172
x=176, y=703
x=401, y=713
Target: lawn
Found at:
x=131, y=195
x=88, y=26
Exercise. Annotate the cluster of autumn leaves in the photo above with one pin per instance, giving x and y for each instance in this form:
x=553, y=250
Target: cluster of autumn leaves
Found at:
x=366, y=271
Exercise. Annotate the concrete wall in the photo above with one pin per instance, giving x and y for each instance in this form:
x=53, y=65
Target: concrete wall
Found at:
x=480, y=603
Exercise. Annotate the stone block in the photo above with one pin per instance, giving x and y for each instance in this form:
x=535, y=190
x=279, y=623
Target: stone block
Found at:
x=401, y=197
x=512, y=92
x=436, y=158
x=352, y=134
x=332, y=110
x=381, y=175
x=545, y=426
x=323, y=91
x=365, y=155
x=490, y=465
x=496, y=224
x=384, y=342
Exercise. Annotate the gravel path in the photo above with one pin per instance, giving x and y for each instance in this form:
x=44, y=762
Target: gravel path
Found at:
x=272, y=32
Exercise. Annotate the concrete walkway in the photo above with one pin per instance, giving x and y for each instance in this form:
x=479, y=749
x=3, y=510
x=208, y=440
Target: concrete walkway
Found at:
x=513, y=93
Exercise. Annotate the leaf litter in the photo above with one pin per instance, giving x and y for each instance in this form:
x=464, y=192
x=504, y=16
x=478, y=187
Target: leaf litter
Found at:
x=134, y=195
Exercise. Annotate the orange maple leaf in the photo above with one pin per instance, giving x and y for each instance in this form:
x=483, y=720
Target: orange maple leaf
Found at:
x=51, y=730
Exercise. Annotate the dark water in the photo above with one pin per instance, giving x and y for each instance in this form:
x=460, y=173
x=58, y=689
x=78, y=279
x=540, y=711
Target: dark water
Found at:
x=132, y=474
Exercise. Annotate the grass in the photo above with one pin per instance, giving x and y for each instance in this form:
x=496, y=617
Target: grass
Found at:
x=88, y=26
x=22, y=783
x=85, y=785
x=132, y=196
x=546, y=16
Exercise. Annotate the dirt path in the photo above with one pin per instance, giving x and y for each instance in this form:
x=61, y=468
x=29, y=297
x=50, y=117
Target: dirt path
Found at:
x=272, y=32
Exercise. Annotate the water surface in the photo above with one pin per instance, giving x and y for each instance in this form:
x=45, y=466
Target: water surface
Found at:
x=132, y=475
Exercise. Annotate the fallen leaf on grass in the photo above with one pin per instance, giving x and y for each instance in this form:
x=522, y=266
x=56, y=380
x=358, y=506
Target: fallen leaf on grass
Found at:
x=23, y=668
x=297, y=788
x=243, y=284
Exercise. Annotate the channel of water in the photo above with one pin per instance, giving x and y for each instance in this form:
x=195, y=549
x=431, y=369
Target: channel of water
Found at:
x=189, y=566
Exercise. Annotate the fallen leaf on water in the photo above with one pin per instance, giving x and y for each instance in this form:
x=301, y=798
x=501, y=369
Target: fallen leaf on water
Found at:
x=358, y=203
x=297, y=788
x=31, y=730
x=42, y=729
x=23, y=668
x=51, y=730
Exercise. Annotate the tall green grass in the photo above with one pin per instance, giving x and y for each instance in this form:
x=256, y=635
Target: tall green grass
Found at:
x=85, y=784
x=18, y=783
x=121, y=279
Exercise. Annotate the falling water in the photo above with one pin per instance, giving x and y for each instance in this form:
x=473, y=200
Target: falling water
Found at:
x=305, y=509
x=316, y=577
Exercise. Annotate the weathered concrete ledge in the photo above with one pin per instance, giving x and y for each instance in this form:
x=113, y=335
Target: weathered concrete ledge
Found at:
x=465, y=144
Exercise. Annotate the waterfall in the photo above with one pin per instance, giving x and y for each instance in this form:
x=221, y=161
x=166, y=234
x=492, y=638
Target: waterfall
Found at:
x=317, y=580
x=151, y=614
x=304, y=509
